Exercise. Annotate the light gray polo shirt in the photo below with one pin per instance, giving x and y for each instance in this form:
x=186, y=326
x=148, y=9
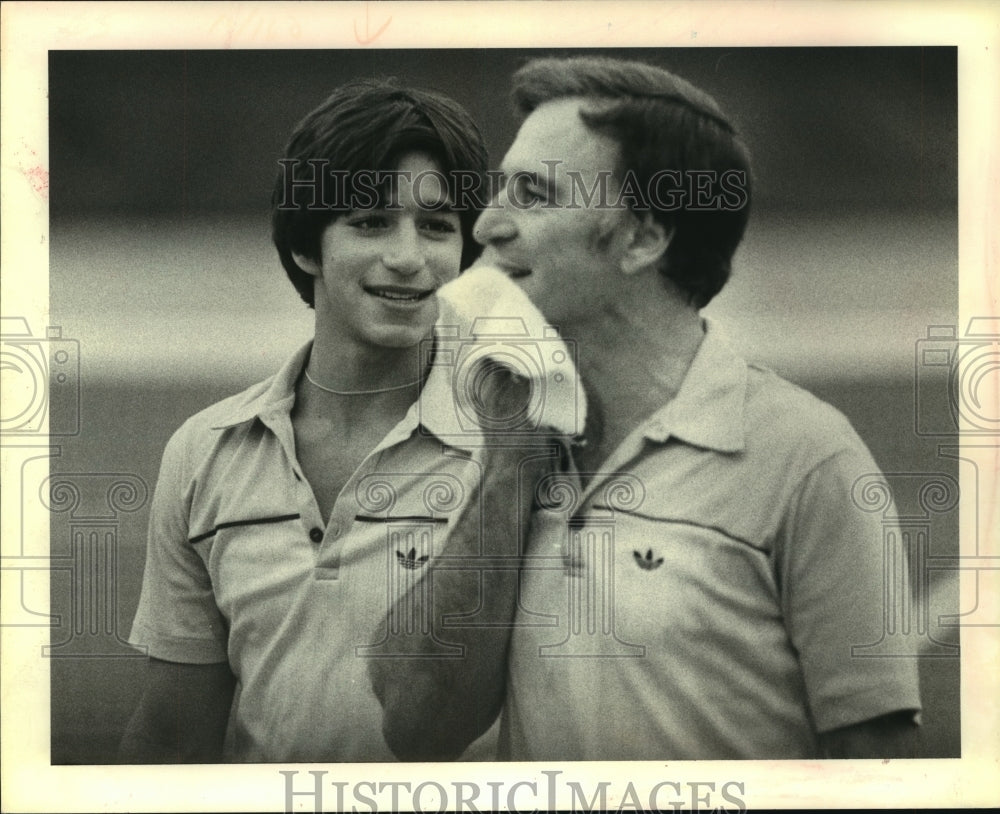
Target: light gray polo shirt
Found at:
x=242, y=568
x=699, y=599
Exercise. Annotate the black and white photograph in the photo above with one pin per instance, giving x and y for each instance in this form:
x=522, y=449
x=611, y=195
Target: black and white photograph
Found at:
x=414, y=418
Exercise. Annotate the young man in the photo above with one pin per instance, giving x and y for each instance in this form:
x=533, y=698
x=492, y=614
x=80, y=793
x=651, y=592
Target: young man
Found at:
x=715, y=570
x=287, y=518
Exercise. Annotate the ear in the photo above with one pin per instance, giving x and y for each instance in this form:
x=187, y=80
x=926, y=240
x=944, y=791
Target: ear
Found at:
x=308, y=265
x=646, y=243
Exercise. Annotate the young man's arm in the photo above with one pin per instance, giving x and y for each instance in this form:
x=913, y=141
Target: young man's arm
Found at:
x=433, y=707
x=188, y=686
x=182, y=714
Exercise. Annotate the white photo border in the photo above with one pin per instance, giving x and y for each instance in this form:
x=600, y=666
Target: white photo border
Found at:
x=30, y=30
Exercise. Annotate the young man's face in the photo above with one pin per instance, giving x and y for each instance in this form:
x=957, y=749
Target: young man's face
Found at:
x=560, y=247
x=380, y=269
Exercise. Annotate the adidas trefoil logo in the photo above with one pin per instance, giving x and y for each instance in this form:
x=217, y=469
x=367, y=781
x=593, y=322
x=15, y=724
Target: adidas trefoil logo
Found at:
x=647, y=563
x=411, y=560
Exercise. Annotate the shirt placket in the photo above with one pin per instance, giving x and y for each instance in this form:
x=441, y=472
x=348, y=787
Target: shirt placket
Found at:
x=329, y=540
x=310, y=517
x=345, y=509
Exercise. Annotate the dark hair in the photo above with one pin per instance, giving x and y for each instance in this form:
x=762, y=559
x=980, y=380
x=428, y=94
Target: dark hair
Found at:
x=367, y=126
x=660, y=122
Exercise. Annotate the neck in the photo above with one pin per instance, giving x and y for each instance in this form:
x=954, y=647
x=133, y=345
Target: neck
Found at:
x=360, y=375
x=633, y=359
x=350, y=368
x=373, y=390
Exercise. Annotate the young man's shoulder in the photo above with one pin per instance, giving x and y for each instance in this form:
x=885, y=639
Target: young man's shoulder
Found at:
x=206, y=427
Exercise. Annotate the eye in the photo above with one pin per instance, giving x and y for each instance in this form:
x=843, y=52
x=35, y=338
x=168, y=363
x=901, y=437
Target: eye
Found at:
x=368, y=221
x=533, y=192
x=440, y=224
x=525, y=190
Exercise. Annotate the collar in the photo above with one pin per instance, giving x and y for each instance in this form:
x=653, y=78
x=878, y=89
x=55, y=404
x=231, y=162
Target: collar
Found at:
x=276, y=394
x=708, y=410
x=435, y=409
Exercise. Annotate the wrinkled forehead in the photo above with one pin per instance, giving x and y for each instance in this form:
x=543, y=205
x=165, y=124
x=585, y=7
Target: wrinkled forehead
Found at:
x=554, y=135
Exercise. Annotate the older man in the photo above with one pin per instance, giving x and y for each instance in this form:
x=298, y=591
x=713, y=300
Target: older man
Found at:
x=698, y=592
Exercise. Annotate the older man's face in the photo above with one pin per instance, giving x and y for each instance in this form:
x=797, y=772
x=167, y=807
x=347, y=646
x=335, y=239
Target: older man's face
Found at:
x=555, y=226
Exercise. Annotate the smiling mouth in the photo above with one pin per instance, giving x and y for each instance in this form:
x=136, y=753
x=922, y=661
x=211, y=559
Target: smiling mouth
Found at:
x=398, y=295
x=514, y=272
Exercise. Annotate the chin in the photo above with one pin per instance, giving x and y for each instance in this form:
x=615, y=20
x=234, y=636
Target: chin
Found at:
x=538, y=296
x=400, y=337
x=405, y=331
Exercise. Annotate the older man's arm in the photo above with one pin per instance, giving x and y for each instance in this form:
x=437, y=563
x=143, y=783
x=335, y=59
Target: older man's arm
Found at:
x=433, y=706
x=895, y=735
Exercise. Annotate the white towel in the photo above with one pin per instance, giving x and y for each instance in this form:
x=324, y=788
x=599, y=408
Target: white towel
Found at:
x=494, y=318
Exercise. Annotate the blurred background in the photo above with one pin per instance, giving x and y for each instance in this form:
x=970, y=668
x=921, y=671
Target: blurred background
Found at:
x=161, y=269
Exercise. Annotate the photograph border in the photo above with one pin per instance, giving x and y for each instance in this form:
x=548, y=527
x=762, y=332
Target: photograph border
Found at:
x=29, y=30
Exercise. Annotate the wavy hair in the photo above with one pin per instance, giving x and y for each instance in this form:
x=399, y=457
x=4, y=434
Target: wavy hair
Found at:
x=367, y=126
x=660, y=122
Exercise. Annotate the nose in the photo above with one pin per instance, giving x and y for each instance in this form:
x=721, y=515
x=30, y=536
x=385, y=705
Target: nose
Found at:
x=404, y=253
x=494, y=225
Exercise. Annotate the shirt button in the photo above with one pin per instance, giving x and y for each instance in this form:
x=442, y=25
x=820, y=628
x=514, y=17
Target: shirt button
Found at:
x=316, y=534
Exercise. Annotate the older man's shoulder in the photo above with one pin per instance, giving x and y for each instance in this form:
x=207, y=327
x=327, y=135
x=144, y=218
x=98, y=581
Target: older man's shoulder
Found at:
x=784, y=415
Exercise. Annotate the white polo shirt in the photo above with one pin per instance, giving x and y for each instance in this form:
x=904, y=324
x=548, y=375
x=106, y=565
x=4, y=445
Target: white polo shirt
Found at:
x=701, y=600
x=242, y=568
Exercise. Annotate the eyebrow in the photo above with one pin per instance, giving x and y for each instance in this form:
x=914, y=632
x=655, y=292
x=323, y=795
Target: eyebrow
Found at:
x=434, y=204
x=531, y=177
x=445, y=205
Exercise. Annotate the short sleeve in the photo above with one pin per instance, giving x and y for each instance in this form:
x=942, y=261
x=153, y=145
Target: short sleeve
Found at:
x=831, y=567
x=177, y=618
